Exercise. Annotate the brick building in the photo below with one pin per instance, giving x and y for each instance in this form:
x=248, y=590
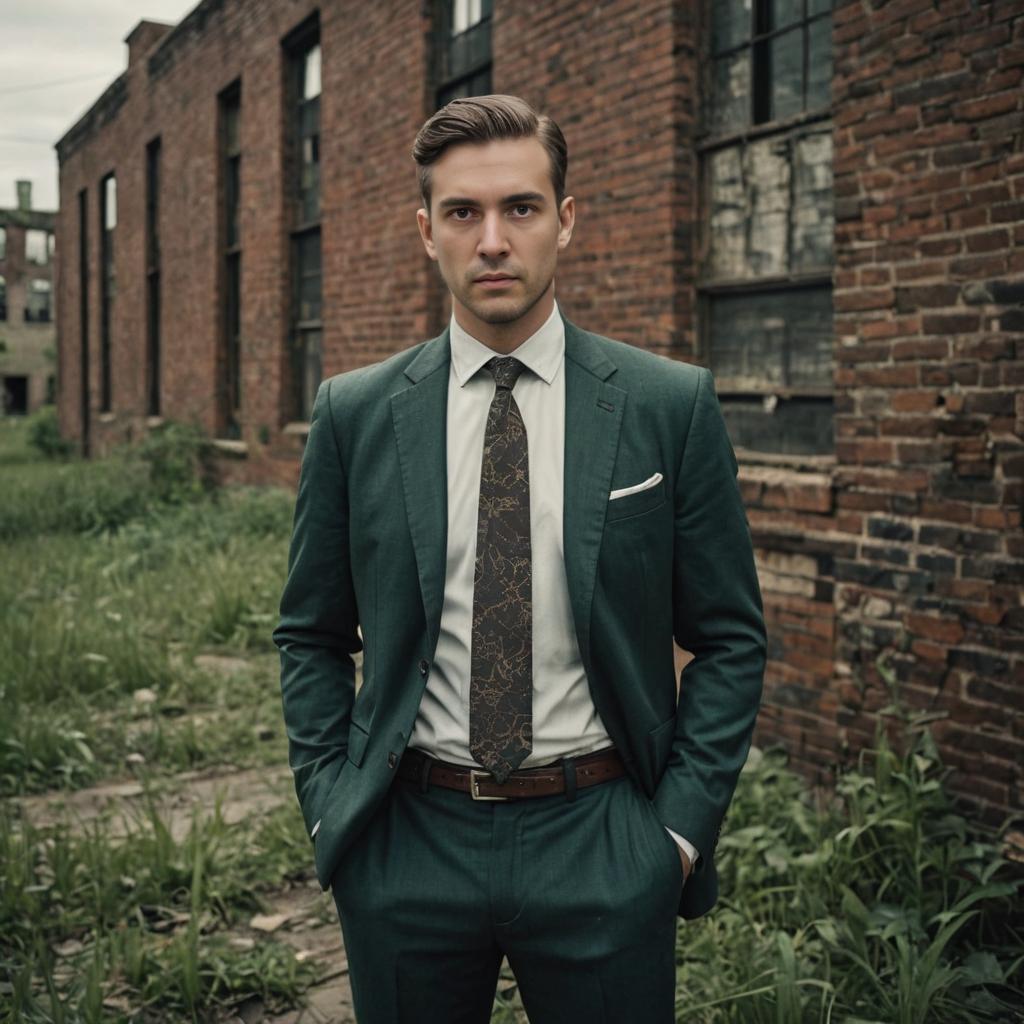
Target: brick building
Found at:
x=826, y=206
x=28, y=335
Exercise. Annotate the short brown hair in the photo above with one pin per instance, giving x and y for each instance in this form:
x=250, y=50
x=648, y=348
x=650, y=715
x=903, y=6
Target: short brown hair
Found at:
x=488, y=119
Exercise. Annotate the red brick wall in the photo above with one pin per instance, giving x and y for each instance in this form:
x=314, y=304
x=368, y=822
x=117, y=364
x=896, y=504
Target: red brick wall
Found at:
x=929, y=289
x=905, y=548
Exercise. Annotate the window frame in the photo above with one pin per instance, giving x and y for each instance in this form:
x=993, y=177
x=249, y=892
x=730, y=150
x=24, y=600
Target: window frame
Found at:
x=710, y=287
x=475, y=77
x=304, y=347
x=108, y=284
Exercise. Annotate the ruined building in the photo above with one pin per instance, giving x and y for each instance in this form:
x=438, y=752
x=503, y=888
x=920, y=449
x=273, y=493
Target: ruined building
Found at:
x=28, y=335
x=824, y=203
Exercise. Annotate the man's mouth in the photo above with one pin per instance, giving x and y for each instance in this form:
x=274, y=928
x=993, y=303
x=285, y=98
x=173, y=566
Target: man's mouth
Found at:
x=495, y=280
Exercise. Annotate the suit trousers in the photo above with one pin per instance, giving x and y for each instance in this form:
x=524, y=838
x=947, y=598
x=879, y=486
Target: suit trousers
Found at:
x=578, y=891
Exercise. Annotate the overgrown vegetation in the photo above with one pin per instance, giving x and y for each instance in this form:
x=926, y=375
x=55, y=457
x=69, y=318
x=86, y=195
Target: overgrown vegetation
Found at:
x=129, y=586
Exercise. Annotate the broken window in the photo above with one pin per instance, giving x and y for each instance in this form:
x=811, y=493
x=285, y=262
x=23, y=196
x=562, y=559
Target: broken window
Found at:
x=153, y=278
x=229, y=362
x=462, y=49
x=304, y=155
x=108, y=284
x=38, y=247
x=38, y=302
x=766, y=163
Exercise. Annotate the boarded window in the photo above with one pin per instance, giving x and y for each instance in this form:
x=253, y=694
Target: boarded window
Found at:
x=766, y=164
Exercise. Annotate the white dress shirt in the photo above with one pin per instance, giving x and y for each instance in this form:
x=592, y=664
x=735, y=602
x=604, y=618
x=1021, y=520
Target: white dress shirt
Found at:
x=565, y=721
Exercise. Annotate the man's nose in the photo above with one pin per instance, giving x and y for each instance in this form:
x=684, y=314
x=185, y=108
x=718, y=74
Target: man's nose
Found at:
x=493, y=236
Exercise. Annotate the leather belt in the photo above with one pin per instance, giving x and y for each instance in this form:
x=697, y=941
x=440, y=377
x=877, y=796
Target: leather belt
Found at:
x=549, y=780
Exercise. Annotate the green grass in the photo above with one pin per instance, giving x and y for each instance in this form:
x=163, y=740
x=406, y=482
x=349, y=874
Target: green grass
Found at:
x=145, y=915
x=880, y=903
x=90, y=615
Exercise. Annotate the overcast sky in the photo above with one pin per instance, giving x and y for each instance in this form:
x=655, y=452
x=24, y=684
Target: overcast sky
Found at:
x=56, y=57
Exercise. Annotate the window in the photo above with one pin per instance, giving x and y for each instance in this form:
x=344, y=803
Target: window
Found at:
x=83, y=319
x=3, y=243
x=462, y=49
x=108, y=284
x=3, y=298
x=304, y=204
x=38, y=247
x=38, y=302
x=14, y=398
x=229, y=385
x=766, y=263
x=153, y=278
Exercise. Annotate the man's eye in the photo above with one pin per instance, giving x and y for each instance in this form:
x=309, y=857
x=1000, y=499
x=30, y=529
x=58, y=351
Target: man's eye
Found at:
x=523, y=209
x=462, y=213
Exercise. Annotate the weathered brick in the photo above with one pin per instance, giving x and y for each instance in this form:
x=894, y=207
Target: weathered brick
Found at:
x=929, y=258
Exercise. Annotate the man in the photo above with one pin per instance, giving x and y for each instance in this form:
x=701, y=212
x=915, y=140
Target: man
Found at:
x=519, y=516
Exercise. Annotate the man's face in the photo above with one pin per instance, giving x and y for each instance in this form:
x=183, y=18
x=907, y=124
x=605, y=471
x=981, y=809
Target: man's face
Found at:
x=495, y=231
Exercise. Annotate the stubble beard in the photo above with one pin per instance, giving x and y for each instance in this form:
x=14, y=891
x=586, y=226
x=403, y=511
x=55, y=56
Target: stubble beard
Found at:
x=492, y=313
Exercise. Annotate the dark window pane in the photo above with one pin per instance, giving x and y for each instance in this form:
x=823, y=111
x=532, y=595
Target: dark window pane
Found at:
x=787, y=63
x=730, y=107
x=730, y=23
x=3, y=243
x=793, y=427
x=3, y=298
x=786, y=12
x=232, y=110
x=307, y=370
x=232, y=190
x=819, y=64
x=309, y=160
x=818, y=6
x=307, y=265
x=772, y=341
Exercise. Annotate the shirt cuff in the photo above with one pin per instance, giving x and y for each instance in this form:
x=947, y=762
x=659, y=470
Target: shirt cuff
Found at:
x=685, y=845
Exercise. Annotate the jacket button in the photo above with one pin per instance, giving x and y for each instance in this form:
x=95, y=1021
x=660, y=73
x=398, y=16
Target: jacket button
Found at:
x=392, y=760
x=424, y=666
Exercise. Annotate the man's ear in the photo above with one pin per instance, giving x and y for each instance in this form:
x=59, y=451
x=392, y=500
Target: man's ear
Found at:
x=426, y=232
x=566, y=221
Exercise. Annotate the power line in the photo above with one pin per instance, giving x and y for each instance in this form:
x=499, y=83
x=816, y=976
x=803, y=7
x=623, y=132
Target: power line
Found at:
x=54, y=83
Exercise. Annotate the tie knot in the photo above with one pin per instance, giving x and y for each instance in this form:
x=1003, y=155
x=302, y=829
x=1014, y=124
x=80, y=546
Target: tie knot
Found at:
x=505, y=371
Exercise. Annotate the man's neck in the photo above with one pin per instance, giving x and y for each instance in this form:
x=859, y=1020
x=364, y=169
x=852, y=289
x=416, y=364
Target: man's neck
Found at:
x=504, y=338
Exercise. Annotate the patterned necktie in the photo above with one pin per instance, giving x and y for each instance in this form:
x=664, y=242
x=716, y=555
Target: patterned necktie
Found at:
x=501, y=673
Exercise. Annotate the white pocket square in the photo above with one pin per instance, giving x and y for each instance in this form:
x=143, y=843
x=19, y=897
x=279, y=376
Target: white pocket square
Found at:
x=622, y=492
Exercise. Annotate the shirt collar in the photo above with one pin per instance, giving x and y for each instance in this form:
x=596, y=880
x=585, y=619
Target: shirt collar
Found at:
x=541, y=353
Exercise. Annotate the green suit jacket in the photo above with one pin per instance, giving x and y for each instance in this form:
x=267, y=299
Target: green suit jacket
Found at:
x=367, y=570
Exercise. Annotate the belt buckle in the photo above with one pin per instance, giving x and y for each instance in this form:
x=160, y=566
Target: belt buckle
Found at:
x=475, y=775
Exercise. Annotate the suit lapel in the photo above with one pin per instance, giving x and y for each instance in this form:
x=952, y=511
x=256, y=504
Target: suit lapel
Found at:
x=593, y=418
x=419, y=415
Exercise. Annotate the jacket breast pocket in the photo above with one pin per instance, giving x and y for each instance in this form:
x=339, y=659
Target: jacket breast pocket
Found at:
x=636, y=504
